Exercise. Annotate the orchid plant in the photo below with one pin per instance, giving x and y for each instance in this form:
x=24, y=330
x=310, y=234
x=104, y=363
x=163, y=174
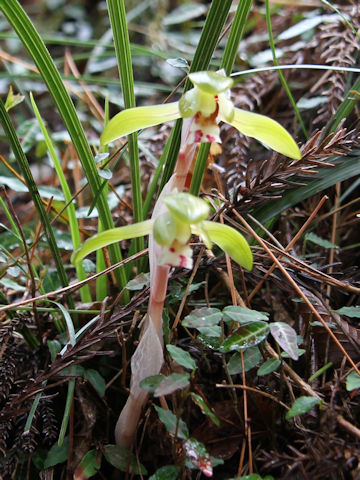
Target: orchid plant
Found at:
x=177, y=215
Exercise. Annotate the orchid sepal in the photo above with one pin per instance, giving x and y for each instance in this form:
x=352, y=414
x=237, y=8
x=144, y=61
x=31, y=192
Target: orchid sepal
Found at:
x=134, y=119
x=113, y=235
x=231, y=241
x=266, y=130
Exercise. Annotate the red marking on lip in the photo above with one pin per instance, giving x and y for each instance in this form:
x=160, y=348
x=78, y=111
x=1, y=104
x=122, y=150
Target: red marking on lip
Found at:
x=183, y=261
x=172, y=249
x=210, y=138
x=198, y=135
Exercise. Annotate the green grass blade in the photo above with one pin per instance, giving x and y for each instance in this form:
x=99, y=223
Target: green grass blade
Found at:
x=41, y=57
x=118, y=21
x=210, y=35
x=236, y=33
x=70, y=209
x=26, y=172
x=280, y=73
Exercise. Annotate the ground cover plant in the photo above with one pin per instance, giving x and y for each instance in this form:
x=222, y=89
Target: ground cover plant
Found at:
x=190, y=263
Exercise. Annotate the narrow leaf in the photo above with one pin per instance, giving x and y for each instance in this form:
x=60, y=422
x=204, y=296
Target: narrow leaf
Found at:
x=200, y=402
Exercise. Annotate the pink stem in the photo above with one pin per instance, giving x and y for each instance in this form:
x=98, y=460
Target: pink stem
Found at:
x=147, y=359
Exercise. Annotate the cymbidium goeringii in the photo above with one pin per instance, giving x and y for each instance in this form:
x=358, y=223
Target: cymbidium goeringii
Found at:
x=185, y=215
x=206, y=104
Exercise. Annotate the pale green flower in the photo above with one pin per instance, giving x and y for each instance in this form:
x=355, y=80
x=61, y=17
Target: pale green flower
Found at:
x=207, y=104
x=185, y=215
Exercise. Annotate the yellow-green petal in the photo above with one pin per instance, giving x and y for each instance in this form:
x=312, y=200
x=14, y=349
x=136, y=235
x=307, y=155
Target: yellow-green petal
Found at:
x=113, y=235
x=187, y=208
x=211, y=82
x=266, y=130
x=231, y=241
x=133, y=119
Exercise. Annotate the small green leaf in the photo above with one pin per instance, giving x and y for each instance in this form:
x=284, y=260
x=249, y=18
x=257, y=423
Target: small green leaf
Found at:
x=301, y=406
x=124, y=460
x=214, y=331
x=13, y=99
x=168, y=472
x=186, y=207
x=202, y=317
x=181, y=357
x=108, y=237
x=139, y=282
x=352, y=381
x=269, y=366
x=200, y=402
x=286, y=337
x=57, y=454
x=10, y=284
x=252, y=357
x=178, y=62
x=13, y=183
x=312, y=237
x=211, y=82
x=170, y=421
x=352, y=312
x=231, y=241
x=243, y=315
x=246, y=336
x=88, y=466
x=105, y=173
x=96, y=380
x=133, y=119
x=175, y=381
x=267, y=131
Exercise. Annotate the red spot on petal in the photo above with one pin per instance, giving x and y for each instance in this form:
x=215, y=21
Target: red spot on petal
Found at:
x=210, y=138
x=172, y=249
x=183, y=261
x=198, y=134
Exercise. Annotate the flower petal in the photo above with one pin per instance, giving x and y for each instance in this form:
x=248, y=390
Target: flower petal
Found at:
x=113, y=235
x=231, y=241
x=133, y=119
x=177, y=255
x=211, y=82
x=266, y=130
x=187, y=208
